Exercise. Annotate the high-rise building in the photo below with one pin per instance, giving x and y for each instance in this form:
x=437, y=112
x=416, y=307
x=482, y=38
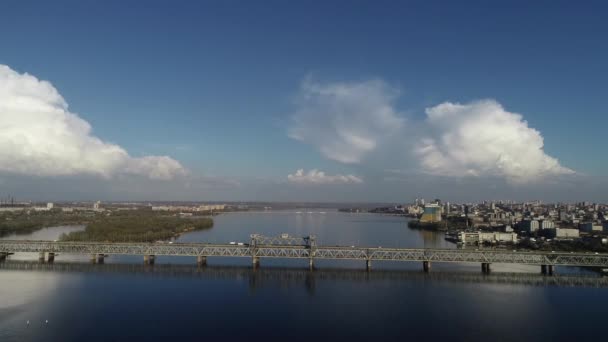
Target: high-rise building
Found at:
x=529, y=225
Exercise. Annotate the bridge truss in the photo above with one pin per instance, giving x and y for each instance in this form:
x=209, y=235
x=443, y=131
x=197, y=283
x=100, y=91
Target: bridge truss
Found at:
x=306, y=248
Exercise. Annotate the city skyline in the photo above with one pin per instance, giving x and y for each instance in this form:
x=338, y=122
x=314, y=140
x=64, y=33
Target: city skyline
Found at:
x=303, y=102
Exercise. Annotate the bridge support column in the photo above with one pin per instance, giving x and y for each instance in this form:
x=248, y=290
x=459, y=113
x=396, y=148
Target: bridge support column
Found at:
x=149, y=259
x=93, y=258
x=543, y=269
x=426, y=266
x=485, y=267
x=311, y=264
x=51, y=257
x=368, y=265
x=201, y=260
x=41, y=256
x=100, y=258
x=255, y=262
x=550, y=269
x=3, y=256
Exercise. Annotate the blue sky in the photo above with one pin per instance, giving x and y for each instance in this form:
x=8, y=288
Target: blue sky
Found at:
x=217, y=86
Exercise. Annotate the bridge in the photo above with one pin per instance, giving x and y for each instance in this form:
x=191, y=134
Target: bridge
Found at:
x=286, y=246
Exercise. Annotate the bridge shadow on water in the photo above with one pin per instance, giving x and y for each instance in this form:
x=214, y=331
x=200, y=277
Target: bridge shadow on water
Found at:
x=286, y=277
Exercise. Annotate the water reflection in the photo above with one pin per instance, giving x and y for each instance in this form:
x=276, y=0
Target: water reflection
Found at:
x=294, y=277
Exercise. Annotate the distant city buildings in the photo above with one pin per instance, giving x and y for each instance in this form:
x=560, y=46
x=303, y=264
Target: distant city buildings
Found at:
x=509, y=221
x=205, y=207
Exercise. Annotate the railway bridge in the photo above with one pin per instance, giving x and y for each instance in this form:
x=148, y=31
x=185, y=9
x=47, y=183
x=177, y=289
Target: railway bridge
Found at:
x=286, y=246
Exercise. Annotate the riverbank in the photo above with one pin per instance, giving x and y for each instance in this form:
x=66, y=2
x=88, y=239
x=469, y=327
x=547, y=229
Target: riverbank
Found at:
x=138, y=226
x=108, y=226
x=27, y=222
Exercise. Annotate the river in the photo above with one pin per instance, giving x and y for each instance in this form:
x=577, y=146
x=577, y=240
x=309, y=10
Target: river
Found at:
x=174, y=300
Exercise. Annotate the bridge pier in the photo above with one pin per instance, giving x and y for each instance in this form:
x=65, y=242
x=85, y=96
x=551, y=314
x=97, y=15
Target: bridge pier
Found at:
x=149, y=259
x=3, y=256
x=41, y=256
x=485, y=267
x=100, y=258
x=426, y=266
x=368, y=265
x=51, y=257
x=311, y=264
x=255, y=262
x=547, y=269
x=201, y=260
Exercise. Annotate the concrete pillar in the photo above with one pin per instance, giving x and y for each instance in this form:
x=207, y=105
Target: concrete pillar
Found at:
x=256, y=262
x=100, y=258
x=485, y=267
x=311, y=264
x=543, y=269
x=368, y=265
x=426, y=266
x=201, y=260
x=51, y=257
x=550, y=269
x=3, y=256
x=41, y=256
x=149, y=259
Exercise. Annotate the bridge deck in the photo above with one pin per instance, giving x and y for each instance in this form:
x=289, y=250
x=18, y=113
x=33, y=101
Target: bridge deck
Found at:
x=309, y=252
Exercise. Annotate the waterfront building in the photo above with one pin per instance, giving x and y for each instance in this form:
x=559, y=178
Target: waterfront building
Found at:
x=557, y=233
x=432, y=213
x=492, y=237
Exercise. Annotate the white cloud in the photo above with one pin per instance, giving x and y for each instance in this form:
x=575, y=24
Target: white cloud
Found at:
x=345, y=121
x=315, y=176
x=40, y=136
x=483, y=139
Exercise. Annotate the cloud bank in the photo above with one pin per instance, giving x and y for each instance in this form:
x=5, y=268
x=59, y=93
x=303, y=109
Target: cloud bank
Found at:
x=345, y=121
x=348, y=121
x=483, y=139
x=40, y=136
x=315, y=176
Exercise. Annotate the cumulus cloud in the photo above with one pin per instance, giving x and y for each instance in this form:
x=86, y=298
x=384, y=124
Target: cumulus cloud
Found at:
x=40, y=136
x=345, y=121
x=315, y=176
x=483, y=139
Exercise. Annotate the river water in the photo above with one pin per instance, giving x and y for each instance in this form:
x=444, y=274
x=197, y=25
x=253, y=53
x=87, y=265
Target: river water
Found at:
x=123, y=300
